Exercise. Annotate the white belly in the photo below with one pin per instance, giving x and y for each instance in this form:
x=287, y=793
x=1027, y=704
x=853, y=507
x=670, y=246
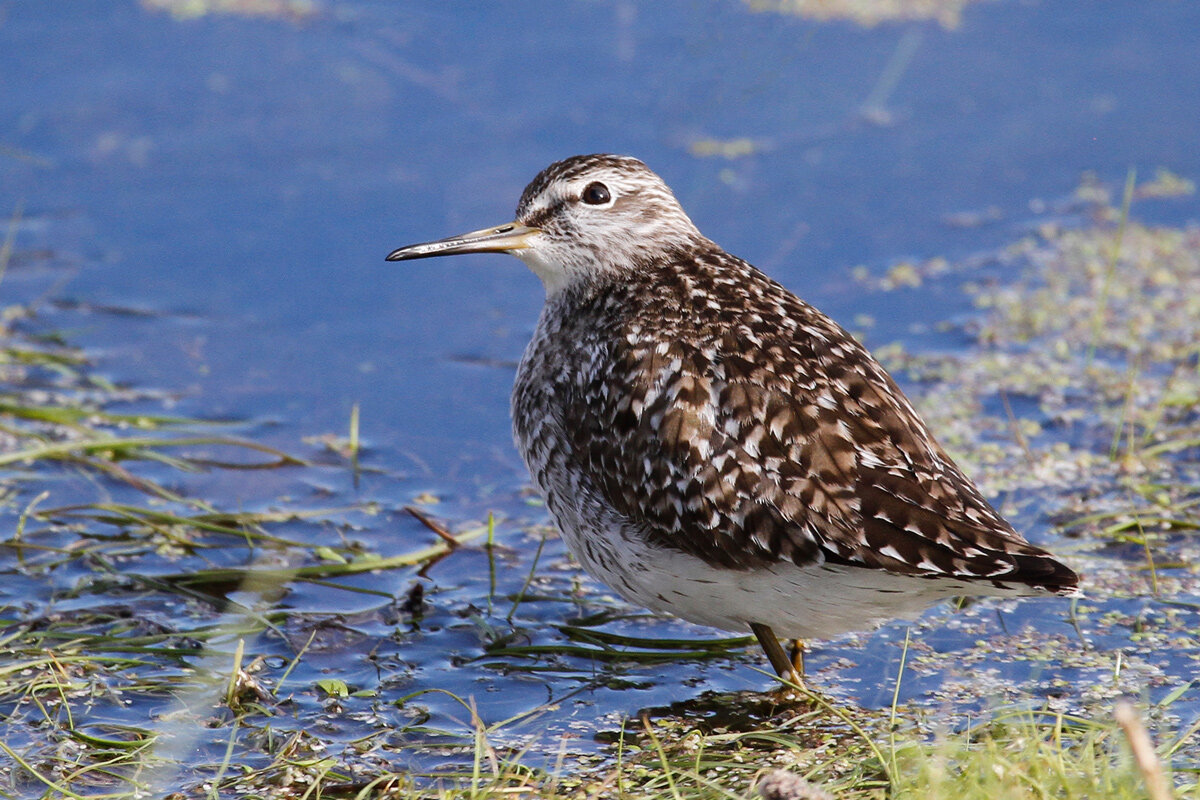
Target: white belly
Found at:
x=818, y=601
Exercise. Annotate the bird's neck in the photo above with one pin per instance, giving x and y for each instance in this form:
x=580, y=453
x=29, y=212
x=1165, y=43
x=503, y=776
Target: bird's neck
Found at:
x=649, y=281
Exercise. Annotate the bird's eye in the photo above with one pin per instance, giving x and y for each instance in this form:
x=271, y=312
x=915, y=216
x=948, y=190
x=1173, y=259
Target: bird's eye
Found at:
x=596, y=194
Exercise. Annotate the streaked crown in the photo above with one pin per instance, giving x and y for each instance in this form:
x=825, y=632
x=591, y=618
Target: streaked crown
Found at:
x=599, y=214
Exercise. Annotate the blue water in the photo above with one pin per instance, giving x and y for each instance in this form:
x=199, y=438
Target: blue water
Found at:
x=243, y=178
x=253, y=172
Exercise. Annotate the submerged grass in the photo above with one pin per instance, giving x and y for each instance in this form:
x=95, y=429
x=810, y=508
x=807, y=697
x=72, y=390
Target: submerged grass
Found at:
x=93, y=620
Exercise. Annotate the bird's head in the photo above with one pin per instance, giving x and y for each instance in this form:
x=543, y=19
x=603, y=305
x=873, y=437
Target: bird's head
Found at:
x=585, y=218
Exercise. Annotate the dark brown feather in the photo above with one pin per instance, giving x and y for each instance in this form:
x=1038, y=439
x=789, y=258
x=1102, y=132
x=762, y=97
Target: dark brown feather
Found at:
x=749, y=428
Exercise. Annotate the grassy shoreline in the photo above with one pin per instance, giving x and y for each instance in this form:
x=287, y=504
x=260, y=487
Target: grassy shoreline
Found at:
x=1077, y=403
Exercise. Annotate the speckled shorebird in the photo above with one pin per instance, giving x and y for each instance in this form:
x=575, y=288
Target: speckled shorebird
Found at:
x=712, y=446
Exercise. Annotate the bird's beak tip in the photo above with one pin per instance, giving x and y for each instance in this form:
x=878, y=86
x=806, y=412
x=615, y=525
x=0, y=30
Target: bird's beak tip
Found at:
x=502, y=239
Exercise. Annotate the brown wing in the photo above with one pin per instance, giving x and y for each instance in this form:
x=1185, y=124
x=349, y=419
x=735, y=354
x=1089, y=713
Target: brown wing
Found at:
x=763, y=443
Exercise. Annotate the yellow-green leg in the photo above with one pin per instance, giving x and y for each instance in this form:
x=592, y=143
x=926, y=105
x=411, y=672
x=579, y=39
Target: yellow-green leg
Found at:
x=798, y=657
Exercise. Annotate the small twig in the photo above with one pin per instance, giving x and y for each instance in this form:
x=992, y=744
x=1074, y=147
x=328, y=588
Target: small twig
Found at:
x=434, y=526
x=1143, y=751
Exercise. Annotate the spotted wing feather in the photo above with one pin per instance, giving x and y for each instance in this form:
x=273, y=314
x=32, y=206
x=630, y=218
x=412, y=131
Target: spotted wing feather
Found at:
x=757, y=430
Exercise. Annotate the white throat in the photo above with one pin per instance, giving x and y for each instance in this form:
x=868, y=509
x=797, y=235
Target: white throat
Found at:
x=555, y=275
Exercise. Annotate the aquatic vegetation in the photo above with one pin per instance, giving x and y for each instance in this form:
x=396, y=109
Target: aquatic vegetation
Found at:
x=190, y=9
x=868, y=12
x=147, y=639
